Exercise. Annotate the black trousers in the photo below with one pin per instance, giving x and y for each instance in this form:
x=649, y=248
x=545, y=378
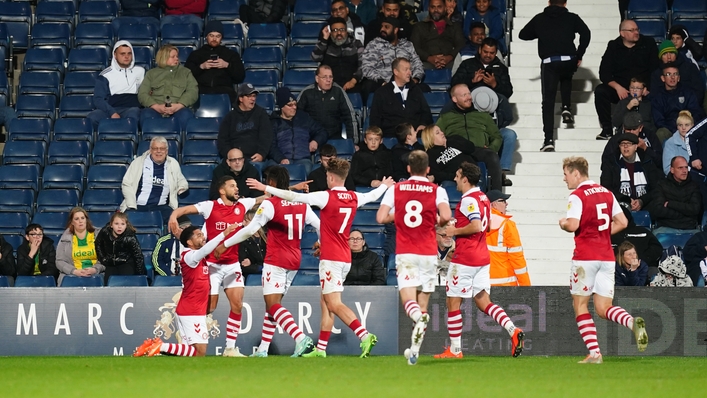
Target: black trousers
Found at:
x=493, y=165
x=552, y=74
x=604, y=96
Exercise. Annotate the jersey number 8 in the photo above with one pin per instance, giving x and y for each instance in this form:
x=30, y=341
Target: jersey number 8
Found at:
x=413, y=214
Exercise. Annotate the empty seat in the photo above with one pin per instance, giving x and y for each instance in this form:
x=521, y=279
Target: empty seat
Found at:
x=91, y=35
x=13, y=223
x=98, y=11
x=100, y=218
x=139, y=35
x=308, y=240
x=163, y=281
x=200, y=151
x=436, y=101
x=29, y=129
x=57, y=200
x=24, y=152
x=365, y=221
x=198, y=175
x=688, y=9
x=144, y=56
x=44, y=59
x=438, y=79
x=300, y=58
x=76, y=106
x=391, y=279
x=647, y=9
x=306, y=278
x=147, y=241
x=642, y=218
x=312, y=11
x=17, y=201
x=232, y=35
x=253, y=280
x=102, y=199
x=653, y=28
x=80, y=82
x=305, y=33
x=52, y=223
x=374, y=240
x=390, y=142
x=82, y=281
x=184, y=53
x=63, y=176
x=268, y=35
x=343, y=147
x=102, y=176
x=263, y=58
x=68, y=152
x=19, y=176
x=264, y=80
x=181, y=35
x=33, y=83
x=113, y=152
x=670, y=239
x=127, y=280
x=122, y=129
x=87, y=59
x=146, y=222
x=51, y=35
x=36, y=280
x=202, y=128
x=192, y=196
x=55, y=11
x=266, y=101
x=36, y=106
x=17, y=17
x=116, y=23
x=298, y=172
x=309, y=262
x=5, y=281
x=213, y=105
x=296, y=80
x=223, y=10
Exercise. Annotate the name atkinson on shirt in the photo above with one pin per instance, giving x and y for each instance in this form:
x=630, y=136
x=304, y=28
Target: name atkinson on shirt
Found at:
x=593, y=190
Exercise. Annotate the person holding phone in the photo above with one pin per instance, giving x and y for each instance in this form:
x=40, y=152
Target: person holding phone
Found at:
x=216, y=68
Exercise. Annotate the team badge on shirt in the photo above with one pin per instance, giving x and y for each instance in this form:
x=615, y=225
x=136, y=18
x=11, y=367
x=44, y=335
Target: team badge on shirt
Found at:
x=260, y=210
x=569, y=206
x=237, y=211
x=471, y=208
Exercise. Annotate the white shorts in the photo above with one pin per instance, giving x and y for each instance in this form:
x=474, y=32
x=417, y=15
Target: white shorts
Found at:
x=228, y=275
x=276, y=280
x=414, y=270
x=466, y=282
x=588, y=277
x=332, y=275
x=193, y=329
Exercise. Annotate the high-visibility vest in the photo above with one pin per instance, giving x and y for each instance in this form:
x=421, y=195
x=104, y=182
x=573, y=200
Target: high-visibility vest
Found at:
x=508, y=266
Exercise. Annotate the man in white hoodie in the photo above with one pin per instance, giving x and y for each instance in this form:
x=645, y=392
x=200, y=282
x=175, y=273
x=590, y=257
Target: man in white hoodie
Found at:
x=115, y=94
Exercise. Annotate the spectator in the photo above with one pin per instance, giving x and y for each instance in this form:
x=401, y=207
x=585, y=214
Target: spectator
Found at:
x=668, y=100
x=115, y=94
x=318, y=176
x=251, y=252
x=7, y=114
x=366, y=266
x=556, y=28
x=697, y=149
x=327, y=103
x=437, y=40
x=677, y=203
x=630, y=270
x=482, y=11
x=477, y=34
x=445, y=253
x=76, y=251
x=373, y=161
x=630, y=55
x=117, y=248
x=153, y=181
x=633, y=176
x=508, y=266
x=184, y=12
x=166, y=256
x=478, y=127
x=401, y=101
x=168, y=90
x=690, y=77
x=354, y=26
x=392, y=9
x=485, y=100
x=342, y=53
x=140, y=8
x=485, y=69
x=445, y=154
x=215, y=67
x=364, y=9
x=647, y=141
x=246, y=127
x=647, y=245
x=695, y=255
x=7, y=259
x=451, y=11
x=36, y=255
x=407, y=142
x=295, y=135
x=686, y=45
x=672, y=273
x=678, y=143
x=237, y=166
x=634, y=103
x=380, y=53
x=262, y=11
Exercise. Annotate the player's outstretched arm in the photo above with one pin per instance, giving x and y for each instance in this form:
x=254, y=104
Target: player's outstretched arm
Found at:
x=195, y=256
x=280, y=193
x=373, y=195
x=178, y=212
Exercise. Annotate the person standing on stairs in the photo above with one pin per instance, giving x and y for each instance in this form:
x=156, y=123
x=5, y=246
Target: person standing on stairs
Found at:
x=555, y=28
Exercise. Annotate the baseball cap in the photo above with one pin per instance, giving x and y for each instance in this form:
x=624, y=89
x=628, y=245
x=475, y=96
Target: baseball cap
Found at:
x=495, y=195
x=246, y=89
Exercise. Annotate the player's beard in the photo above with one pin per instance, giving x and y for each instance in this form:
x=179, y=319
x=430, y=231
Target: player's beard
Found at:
x=232, y=198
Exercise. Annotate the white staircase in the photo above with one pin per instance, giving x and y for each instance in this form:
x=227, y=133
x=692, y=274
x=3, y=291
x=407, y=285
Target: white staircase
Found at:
x=539, y=195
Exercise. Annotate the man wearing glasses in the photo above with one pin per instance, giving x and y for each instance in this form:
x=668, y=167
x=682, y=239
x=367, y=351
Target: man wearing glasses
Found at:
x=236, y=166
x=629, y=55
x=354, y=26
x=342, y=53
x=508, y=266
x=35, y=256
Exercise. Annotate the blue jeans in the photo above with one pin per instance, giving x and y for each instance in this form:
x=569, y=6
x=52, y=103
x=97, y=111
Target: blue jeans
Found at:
x=510, y=139
x=97, y=115
x=182, y=19
x=183, y=116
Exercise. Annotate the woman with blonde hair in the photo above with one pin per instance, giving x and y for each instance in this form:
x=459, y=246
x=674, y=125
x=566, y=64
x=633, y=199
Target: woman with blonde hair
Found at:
x=76, y=251
x=169, y=90
x=677, y=144
x=118, y=249
x=630, y=270
x=446, y=154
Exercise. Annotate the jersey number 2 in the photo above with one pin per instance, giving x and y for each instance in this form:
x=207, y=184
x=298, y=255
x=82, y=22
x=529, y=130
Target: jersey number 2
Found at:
x=603, y=217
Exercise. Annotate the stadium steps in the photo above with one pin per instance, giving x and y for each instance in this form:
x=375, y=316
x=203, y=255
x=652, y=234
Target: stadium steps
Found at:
x=539, y=195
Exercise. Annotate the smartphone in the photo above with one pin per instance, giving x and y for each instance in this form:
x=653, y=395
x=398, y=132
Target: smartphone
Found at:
x=213, y=57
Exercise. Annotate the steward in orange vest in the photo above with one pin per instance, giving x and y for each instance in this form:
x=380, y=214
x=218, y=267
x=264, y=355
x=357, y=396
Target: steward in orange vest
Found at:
x=508, y=266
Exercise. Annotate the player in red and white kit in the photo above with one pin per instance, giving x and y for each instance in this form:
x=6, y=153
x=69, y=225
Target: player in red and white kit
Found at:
x=191, y=309
x=413, y=205
x=468, y=273
x=225, y=271
x=593, y=215
x=338, y=209
x=285, y=222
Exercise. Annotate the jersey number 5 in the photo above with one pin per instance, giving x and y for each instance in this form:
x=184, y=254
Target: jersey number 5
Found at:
x=603, y=217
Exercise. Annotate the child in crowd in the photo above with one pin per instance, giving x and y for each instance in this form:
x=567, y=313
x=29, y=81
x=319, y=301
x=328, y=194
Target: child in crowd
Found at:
x=118, y=249
x=373, y=161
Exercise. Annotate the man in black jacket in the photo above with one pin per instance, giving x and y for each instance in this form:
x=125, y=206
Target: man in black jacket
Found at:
x=262, y=11
x=237, y=166
x=485, y=69
x=647, y=141
x=677, y=203
x=7, y=259
x=246, y=127
x=392, y=9
x=215, y=67
x=318, y=175
x=629, y=55
x=36, y=255
x=555, y=28
x=342, y=53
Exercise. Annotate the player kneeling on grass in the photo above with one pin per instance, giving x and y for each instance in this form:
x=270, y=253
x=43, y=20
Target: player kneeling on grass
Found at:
x=285, y=221
x=191, y=309
x=468, y=274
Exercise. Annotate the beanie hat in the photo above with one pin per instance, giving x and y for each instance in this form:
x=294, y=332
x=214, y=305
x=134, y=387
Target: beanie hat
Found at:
x=283, y=97
x=666, y=46
x=213, y=26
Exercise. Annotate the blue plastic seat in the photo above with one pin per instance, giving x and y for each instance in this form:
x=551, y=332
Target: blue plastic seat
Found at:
x=55, y=11
x=51, y=35
x=36, y=106
x=436, y=101
x=374, y=240
x=198, y=175
x=200, y=151
x=192, y=196
x=105, y=176
x=4, y=83
x=654, y=28
x=343, y=147
x=116, y=23
x=52, y=223
x=391, y=279
x=147, y=222
x=87, y=59
x=648, y=9
x=162, y=127
x=296, y=80
x=688, y=10
x=202, y=128
x=484, y=180
x=312, y=11
x=44, y=59
x=298, y=172
x=127, y=280
x=147, y=241
x=75, y=106
x=300, y=58
x=100, y=218
x=91, y=35
x=223, y=10
x=80, y=82
x=268, y=35
x=140, y=35
x=438, y=79
x=168, y=281
x=253, y=280
x=17, y=17
x=183, y=53
x=454, y=195
x=113, y=152
x=263, y=58
x=264, y=80
x=144, y=56
x=308, y=240
x=24, y=152
x=266, y=101
x=309, y=262
x=232, y=35
x=73, y=130
x=57, y=200
x=78, y=281
x=642, y=218
x=213, y=105
x=35, y=281
x=43, y=83
x=29, y=129
x=306, y=278
x=123, y=129
x=172, y=148
x=63, y=176
x=365, y=220
x=187, y=35
x=303, y=34
x=670, y=239
x=102, y=199
x=390, y=142
x=14, y=240
x=17, y=200
x=4, y=281
x=20, y=176
x=69, y=152
x=357, y=104
x=97, y=11
x=693, y=25
x=13, y=223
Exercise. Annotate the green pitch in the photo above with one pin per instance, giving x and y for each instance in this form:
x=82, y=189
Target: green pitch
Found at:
x=343, y=376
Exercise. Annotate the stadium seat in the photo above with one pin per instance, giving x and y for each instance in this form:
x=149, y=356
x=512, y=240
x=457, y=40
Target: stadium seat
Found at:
x=35, y=281
x=17, y=201
x=308, y=240
x=357, y=104
x=233, y=36
x=24, y=152
x=57, y=200
x=670, y=239
x=365, y=221
x=100, y=218
x=305, y=34
x=36, y=106
x=688, y=10
x=172, y=148
x=139, y=35
x=51, y=35
x=200, y=151
x=147, y=222
x=298, y=172
x=13, y=223
x=29, y=129
x=198, y=175
x=454, y=195
x=264, y=80
x=484, y=181
x=168, y=281
x=266, y=101
x=14, y=240
x=653, y=28
x=263, y=58
x=213, y=105
x=202, y=129
x=40, y=83
x=253, y=280
x=80, y=82
x=192, y=196
x=344, y=148
x=52, y=223
x=102, y=199
x=390, y=142
x=300, y=58
x=127, y=280
x=75, y=106
x=311, y=11
x=183, y=53
x=113, y=152
x=296, y=80
x=374, y=240
x=309, y=262
x=44, y=59
x=63, y=176
x=4, y=83
x=19, y=176
x=92, y=35
x=162, y=127
x=392, y=278
x=68, y=152
x=306, y=278
x=54, y=11
x=147, y=241
x=105, y=176
x=268, y=35
x=78, y=281
x=116, y=23
x=223, y=10
x=642, y=218
x=122, y=129
x=4, y=281
x=181, y=35
x=87, y=59
x=438, y=79
x=98, y=11
x=17, y=17
x=436, y=100
x=647, y=9
x=694, y=25
x=144, y=56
